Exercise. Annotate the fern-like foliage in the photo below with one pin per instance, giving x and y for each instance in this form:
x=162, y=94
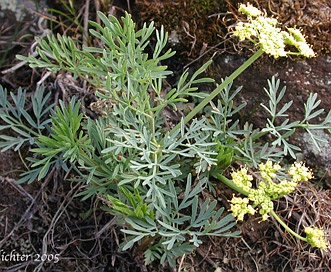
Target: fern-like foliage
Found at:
x=66, y=142
x=127, y=156
x=27, y=125
x=179, y=225
x=283, y=131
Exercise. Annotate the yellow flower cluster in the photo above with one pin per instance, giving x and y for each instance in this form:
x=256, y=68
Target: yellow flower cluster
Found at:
x=316, y=237
x=242, y=179
x=249, y=10
x=263, y=31
x=259, y=197
x=299, y=172
x=240, y=207
x=267, y=189
x=268, y=170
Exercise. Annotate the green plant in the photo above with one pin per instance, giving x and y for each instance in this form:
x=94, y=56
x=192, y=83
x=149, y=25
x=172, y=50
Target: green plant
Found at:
x=15, y=116
x=149, y=177
x=127, y=156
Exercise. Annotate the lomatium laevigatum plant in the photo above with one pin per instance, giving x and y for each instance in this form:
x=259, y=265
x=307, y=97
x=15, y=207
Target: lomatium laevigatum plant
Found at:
x=149, y=176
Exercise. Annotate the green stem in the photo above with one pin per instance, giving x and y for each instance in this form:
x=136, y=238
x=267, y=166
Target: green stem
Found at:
x=230, y=184
x=220, y=87
x=280, y=221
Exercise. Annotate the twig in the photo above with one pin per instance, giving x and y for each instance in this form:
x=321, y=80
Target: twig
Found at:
x=18, y=65
x=42, y=80
x=105, y=227
x=129, y=8
x=205, y=257
x=97, y=8
x=181, y=263
x=17, y=187
x=86, y=14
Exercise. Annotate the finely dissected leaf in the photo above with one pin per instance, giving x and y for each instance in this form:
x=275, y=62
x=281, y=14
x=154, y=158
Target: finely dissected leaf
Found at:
x=182, y=249
x=168, y=227
x=29, y=176
x=20, y=120
x=196, y=242
x=194, y=209
x=133, y=240
x=151, y=255
x=283, y=131
x=65, y=141
x=11, y=142
x=142, y=229
x=310, y=106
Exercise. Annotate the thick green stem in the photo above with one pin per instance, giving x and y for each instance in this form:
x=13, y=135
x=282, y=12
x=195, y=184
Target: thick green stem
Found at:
x=220, y=87
x=280, y=221
x=230, y=184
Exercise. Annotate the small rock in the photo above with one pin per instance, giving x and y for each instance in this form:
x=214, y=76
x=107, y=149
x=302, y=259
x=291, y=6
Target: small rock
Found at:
x=319, y=158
